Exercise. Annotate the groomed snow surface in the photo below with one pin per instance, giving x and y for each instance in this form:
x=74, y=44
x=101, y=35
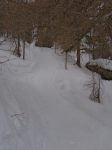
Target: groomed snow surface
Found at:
x=44, y=107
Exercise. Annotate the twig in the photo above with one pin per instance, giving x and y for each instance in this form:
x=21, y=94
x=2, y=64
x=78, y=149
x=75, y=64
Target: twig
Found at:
x=16, y=115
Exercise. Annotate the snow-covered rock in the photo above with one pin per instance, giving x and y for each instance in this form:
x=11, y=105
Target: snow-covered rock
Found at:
x=44, y=107
x=104, y=63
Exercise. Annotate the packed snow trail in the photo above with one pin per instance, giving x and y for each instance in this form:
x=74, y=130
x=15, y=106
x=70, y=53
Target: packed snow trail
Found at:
x=44, y=107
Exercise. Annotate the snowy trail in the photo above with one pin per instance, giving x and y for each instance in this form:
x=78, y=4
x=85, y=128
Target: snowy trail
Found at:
x=41, y=109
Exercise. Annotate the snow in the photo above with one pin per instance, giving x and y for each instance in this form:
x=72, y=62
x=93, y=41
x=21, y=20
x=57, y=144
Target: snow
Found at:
x=44, y=107
x=104, y=63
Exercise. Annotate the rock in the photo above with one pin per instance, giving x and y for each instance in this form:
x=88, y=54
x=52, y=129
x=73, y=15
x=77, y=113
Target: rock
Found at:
x=106, y=74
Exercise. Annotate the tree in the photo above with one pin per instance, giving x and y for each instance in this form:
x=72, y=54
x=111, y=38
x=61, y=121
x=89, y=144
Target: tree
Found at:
x=20, y=25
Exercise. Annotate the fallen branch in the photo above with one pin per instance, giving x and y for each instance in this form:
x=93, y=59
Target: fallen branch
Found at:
x=16, y=115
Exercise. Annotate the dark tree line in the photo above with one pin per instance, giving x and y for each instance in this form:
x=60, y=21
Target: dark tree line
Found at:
x=64, y=22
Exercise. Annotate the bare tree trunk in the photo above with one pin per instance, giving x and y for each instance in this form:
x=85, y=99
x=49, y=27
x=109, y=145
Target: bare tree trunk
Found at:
x=93, y=53
x=23, y=49
x=66, y=59
x=78, y=55
x=18, y=46
x=99, y=90
x=93, y=46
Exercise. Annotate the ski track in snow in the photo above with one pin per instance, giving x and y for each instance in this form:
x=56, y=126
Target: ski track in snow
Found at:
x=44, y=107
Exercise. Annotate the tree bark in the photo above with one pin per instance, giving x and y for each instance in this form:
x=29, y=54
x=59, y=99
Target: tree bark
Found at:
x=78, y=55
x=23, y=49
x=18, y=46
x=66, y=59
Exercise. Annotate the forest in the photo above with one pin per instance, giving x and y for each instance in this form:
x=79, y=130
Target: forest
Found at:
x=59, y=22
x=76, y=25
x=55, y=74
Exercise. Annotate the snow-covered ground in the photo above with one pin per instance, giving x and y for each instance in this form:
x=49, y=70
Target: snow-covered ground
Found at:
x=44, y=107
